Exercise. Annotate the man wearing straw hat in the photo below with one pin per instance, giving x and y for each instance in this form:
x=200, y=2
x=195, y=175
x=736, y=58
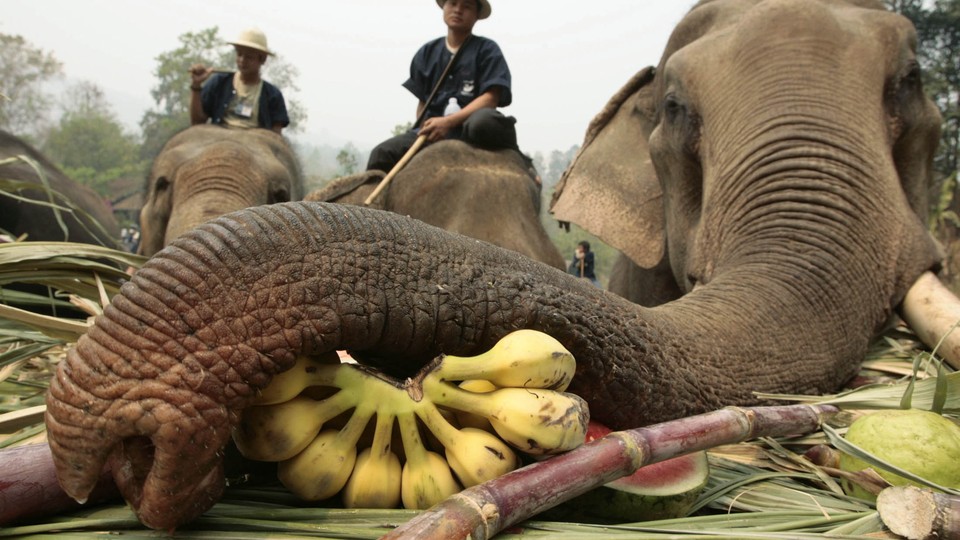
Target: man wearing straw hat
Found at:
x=469, y=69
x=239, y=99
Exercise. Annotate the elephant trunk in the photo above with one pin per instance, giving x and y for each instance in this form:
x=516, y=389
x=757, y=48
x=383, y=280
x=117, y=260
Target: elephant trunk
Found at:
x=156, y=384
x=209, y=190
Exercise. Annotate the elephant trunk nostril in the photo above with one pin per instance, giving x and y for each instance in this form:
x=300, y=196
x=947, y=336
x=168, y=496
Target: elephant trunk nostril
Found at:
x=131, y=463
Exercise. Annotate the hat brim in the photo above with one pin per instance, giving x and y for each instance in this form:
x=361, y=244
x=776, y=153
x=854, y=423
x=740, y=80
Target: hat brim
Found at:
x=250, y=45
x=485, y=9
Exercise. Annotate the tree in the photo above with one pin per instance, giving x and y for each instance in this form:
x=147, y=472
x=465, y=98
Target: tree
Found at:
x=23, y=71
x=941, y=50
x=172, y=92
x=89, y=143
x=349, y=159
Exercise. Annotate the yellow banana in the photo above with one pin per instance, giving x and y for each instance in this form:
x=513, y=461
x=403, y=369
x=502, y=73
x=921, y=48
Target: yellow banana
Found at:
x=534, y=421
x=307, y=371
x=426, y=478
x=468, y=419
x=474, y=455
x=322, y=469
x=521, y=359
x=278, y=432
x=375, y=482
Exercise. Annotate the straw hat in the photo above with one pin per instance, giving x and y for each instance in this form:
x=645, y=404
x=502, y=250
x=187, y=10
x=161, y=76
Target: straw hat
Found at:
x=483, y=12
x=253, y=38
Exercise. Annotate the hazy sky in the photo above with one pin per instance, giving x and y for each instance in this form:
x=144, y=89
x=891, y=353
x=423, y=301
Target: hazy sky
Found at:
x=567, y=57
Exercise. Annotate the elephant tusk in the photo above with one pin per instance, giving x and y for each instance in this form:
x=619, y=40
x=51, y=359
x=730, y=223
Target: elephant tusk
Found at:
x=933, y=312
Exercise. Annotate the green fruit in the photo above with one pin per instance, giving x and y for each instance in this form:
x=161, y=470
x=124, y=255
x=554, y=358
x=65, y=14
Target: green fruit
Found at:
x=921, y=442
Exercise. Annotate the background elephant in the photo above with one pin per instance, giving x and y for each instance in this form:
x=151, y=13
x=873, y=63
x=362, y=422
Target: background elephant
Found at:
x=660, y=223
x=792, y=141
x=79, y=215
x=206, y=171
x=492, y=196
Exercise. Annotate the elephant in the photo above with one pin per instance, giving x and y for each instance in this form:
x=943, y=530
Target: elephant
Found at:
x=792, y=140
x=51, y=207
x=490, y=195
x=205, y=171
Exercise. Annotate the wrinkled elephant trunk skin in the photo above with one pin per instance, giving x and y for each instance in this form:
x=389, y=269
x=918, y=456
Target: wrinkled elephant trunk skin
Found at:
x=209, y=320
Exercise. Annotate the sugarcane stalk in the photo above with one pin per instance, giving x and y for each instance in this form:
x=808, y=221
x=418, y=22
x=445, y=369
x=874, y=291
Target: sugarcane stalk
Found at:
x=29, y=488
x=484, y=510
x=918, y=514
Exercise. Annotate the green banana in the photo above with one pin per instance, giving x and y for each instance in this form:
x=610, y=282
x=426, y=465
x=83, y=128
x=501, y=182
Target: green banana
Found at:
x=521, y=359
x=474, y=455
x=534, y=421
x=323, y=468
x=426, y=478
x=278, y=432
x=375, y=482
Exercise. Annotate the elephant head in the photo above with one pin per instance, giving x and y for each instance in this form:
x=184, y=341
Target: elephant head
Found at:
x=492, y=196
x=779, y=132
x=747, y=137
x=79, y=214
x=206, y=171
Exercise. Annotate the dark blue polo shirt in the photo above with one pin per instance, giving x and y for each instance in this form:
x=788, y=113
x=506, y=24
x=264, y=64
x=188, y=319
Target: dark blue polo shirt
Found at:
x=479, y=67
x=218, y=91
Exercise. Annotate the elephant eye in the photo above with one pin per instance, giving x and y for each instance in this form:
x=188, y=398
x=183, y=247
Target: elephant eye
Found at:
x=913, y=80
x=280, y=196
x=672, y=108
x=162, y=184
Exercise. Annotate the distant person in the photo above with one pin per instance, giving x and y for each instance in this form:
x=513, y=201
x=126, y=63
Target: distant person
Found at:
x=582, y=263
x=239, y=99
x=477, y=84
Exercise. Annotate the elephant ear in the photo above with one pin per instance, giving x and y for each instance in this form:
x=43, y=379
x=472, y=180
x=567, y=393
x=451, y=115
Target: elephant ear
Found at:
x=611, y=189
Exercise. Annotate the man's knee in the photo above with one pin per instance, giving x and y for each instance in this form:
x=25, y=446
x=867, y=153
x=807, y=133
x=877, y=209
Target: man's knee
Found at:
x=386, y=154
x=489, y=128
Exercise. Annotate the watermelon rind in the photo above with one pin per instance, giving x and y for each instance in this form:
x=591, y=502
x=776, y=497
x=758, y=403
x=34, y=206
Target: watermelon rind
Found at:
x=665, y=490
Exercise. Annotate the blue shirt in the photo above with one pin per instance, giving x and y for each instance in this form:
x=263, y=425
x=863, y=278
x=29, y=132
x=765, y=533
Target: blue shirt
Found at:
x=480, y=67
x=574, y=267
x=218, y=91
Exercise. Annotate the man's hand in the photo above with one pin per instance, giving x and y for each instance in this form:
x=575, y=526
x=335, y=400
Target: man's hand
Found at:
x=437, y=128
x=198, y=74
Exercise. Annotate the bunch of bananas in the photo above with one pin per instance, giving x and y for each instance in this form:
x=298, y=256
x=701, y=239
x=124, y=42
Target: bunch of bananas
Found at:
x=460, y=422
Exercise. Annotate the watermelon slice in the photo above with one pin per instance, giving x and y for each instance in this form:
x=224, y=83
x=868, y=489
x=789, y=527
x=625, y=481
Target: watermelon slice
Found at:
x=664, y=490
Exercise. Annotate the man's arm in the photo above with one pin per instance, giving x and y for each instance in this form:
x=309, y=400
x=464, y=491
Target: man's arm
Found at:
x=197, y=116
x=198, y=74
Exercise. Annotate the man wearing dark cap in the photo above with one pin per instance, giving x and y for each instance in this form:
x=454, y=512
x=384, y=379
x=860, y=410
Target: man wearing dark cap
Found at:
x=240, y=99
x=465, y=103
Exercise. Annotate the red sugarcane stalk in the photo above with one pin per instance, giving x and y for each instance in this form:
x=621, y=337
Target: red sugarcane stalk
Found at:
x=29, y=488
x=486, y=509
